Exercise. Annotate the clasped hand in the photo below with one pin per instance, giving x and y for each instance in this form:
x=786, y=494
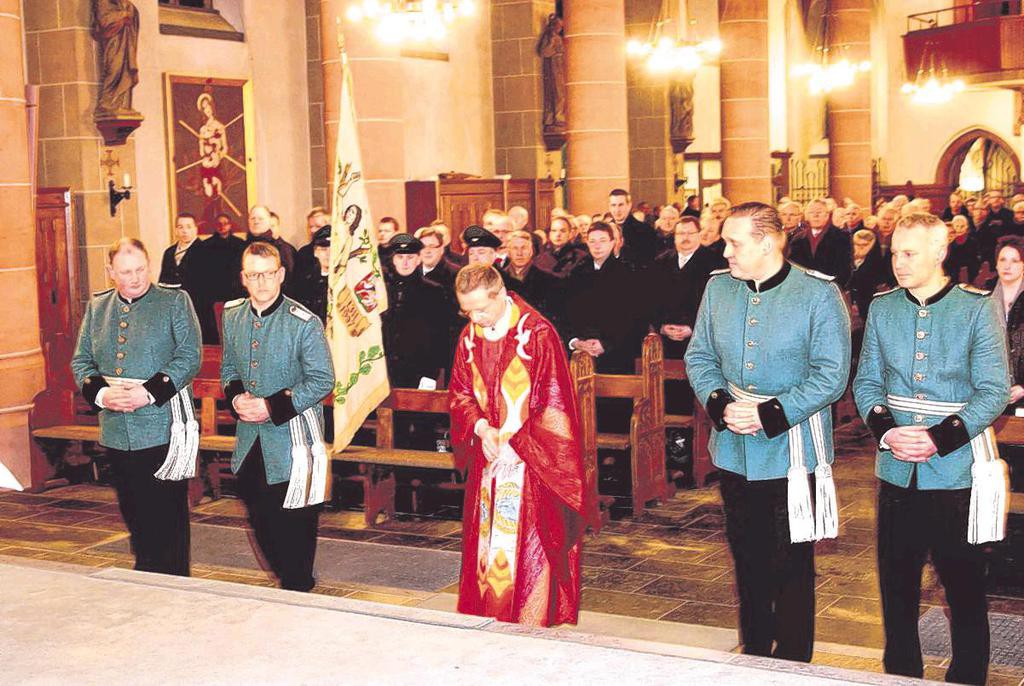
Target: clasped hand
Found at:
x=910, y=443
x=741, y=417
x=590, y=346
x=126, y=398
x=676, y=332
x=250, y=408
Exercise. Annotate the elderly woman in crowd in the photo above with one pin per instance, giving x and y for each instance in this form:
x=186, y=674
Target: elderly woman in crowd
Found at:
x=1007, y=293
x=711, y=231
x=962, y=253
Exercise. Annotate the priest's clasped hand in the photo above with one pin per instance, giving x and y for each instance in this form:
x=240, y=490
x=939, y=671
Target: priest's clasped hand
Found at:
x=742, y=418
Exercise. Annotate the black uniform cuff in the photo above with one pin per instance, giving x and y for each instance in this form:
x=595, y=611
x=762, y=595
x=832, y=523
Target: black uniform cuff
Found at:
x=880, y=420
x=91, y=388
x=716, y=407
x=161, y=388
x=281, y=407
x=773, y=418
x=949, y=434
x=231, y=391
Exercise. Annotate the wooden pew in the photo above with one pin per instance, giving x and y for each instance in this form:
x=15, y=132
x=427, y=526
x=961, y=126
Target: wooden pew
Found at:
x=646, y=437
x=1010, y=431
x=582, y=368
x=699, y=422
x=377, y=464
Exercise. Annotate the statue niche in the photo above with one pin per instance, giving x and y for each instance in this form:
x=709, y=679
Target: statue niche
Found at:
x=115, y=27
x=551, y=50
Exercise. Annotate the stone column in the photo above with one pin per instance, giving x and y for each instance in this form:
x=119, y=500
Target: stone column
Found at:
x=518, y=88
x=598, y=141
x=849, y=110
x=746, y=162
x=378, y=84
x=21, y=359
x=650, y=153
x=319, y=183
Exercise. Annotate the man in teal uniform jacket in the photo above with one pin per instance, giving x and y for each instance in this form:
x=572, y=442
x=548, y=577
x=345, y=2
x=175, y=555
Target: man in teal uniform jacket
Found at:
x=138, y=349
x=932, y=378
x=276, y=371
x=770, y=353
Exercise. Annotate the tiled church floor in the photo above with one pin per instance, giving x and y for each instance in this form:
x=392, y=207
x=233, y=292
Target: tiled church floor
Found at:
x=671, y=565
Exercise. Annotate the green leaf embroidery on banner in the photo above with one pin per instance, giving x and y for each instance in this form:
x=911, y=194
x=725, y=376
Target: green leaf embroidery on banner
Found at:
x=366, y=360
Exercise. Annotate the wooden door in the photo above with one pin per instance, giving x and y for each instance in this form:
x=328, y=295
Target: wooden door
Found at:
x=56, y=280
x=463, y=203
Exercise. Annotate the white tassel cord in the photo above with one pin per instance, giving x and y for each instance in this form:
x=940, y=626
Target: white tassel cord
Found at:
x=298, y=483
x=987, y=519
x=321, y=463
x=801, y=513
x=191, y=436
x=176, y=446
x=826, y=504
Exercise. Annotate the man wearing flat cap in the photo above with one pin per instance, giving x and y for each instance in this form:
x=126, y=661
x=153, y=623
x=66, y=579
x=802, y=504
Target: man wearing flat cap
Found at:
x=417, y=321
x=482, y=248
x=310, y=286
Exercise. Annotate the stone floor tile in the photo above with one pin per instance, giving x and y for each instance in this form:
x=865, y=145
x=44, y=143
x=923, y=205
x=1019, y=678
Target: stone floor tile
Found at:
x=627, y=581
x=691, y=590
x=685, y=570
x=705, y=614
x=854, y=609
x=64, y=517
x=596, y=559
x=51, y=537
x=632, y=604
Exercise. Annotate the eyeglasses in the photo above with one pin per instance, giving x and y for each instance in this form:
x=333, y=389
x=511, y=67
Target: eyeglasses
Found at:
x=256, y=277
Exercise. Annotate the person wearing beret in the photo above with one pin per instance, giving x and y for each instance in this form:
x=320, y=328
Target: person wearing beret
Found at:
x=276, y=371
x=417, y=323
x=310, y=284
x=138, y=349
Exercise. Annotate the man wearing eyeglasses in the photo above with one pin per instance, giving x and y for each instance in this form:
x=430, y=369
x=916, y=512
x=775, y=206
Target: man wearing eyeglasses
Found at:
x=276, y=370
x=680, y=277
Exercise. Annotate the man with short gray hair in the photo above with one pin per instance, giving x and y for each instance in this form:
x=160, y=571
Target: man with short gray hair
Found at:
x=932, y=377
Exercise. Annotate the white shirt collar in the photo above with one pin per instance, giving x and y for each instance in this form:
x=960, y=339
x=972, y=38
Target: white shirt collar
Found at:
x=501, y=327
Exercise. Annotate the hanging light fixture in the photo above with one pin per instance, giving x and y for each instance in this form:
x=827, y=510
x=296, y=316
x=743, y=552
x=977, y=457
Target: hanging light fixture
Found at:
x=410, y=21
x=931, y=86
x=663, y=54
x=832, y=70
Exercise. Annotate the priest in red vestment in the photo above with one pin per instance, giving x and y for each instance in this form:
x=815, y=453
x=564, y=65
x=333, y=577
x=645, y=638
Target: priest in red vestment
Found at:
x=515, y=428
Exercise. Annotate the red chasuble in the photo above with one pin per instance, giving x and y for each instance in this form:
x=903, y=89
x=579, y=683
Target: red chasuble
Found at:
x=525, y=513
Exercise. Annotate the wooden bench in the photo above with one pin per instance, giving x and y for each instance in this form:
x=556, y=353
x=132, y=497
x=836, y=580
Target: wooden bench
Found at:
x=1010, y=431
x=699, y=422
x=646, y=437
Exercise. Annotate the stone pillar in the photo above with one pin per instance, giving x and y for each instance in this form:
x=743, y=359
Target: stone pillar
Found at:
x=849, y=110
x=598, y=141
x=650, y=153
x=62, y=59
x=518, y=87
x=21, y=359
x=319, y=182
x=746, y=160
x=379, y=98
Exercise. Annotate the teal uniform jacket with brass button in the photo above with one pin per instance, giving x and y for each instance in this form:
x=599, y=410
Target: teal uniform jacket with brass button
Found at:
x=280, y=355
x=789, y=339
x=154, y=338
x=950, y=349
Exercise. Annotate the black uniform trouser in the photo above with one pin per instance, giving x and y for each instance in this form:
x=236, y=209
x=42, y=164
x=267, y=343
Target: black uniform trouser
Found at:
x=911, y=524
x=155, y=511
x=775, y=578
x=286, y=538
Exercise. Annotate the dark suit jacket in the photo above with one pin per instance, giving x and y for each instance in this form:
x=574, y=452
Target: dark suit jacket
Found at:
x=678, y=292
x=542, y=290
x=601, y=304
x=640, y=242
x=833, y=257
x=872, y=275
x=562, y=261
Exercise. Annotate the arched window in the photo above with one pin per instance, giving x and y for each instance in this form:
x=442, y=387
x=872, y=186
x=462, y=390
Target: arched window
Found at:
x=979, y=161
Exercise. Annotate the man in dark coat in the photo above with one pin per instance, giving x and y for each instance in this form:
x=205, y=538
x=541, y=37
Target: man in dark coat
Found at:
x=822, y=247
x=309, y=286
x=261, y=229
x=183, y=265
x=600, y=312
x=536, y=286
x=640, y=240
x=416, y=323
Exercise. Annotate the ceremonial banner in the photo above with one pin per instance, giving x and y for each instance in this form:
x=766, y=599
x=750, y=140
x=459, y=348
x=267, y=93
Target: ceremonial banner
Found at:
x=357, y=293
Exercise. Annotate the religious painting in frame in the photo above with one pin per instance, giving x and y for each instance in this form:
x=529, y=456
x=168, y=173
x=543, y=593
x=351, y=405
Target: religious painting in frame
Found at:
x=210, y=146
